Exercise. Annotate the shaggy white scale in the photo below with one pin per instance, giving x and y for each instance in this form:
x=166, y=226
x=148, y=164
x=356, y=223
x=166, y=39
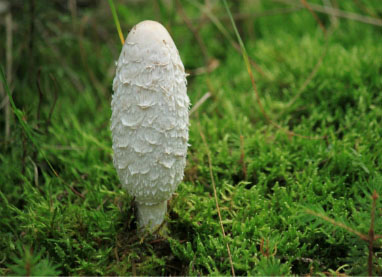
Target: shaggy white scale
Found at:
x=149, y=122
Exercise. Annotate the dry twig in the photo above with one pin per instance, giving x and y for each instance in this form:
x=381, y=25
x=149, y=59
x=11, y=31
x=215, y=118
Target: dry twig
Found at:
x=194, y=31
x=310, y=77
x=333, y=19
x=200, y=102
x=243, y=16
x=338, y=224
x=337, y=13
x=208, y=68
x=374, y=198
x=308, y=7
x=319, y=62
x=215, y=20
x=215, y=195
x=249, y=70
x=371, y=237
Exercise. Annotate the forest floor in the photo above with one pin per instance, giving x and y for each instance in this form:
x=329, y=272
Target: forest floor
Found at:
x=295, y=161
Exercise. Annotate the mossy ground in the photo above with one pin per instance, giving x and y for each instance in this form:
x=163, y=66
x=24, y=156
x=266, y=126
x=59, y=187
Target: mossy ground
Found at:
x=82, y=222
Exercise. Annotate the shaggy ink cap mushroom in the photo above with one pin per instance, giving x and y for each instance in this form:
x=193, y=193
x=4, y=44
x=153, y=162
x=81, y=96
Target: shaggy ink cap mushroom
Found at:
x=149, y=120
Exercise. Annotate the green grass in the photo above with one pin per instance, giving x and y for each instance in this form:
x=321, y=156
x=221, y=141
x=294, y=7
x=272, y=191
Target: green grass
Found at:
x=82, y=222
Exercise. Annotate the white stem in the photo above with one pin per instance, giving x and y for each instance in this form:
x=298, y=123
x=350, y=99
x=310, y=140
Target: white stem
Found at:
x=151, y=216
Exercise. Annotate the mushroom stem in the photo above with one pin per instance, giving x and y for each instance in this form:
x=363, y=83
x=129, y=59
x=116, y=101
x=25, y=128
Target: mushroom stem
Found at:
x=151, y=216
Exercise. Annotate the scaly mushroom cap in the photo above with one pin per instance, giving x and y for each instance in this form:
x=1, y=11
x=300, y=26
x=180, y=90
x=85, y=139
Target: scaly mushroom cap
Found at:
x=149, y=120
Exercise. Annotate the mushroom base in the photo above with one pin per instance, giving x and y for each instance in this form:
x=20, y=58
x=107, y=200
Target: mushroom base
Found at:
x=151, y=216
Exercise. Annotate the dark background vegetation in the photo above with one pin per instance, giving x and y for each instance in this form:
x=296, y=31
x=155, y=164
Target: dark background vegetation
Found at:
x=294, y=176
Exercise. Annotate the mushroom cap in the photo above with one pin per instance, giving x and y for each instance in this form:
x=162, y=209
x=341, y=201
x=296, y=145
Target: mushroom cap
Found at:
x=149, y=120
x=150, y=32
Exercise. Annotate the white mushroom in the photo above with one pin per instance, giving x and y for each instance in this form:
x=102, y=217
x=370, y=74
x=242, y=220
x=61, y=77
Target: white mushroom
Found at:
x=149, y=122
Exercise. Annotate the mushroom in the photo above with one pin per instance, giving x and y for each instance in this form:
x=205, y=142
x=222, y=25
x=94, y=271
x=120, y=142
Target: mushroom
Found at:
x=149, y=121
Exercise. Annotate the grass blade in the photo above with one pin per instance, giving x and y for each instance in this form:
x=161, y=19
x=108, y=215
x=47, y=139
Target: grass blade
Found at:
x=16, y=111
x=248, y=65
x=116, y=21
x=246, y=61
x=19, y=114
